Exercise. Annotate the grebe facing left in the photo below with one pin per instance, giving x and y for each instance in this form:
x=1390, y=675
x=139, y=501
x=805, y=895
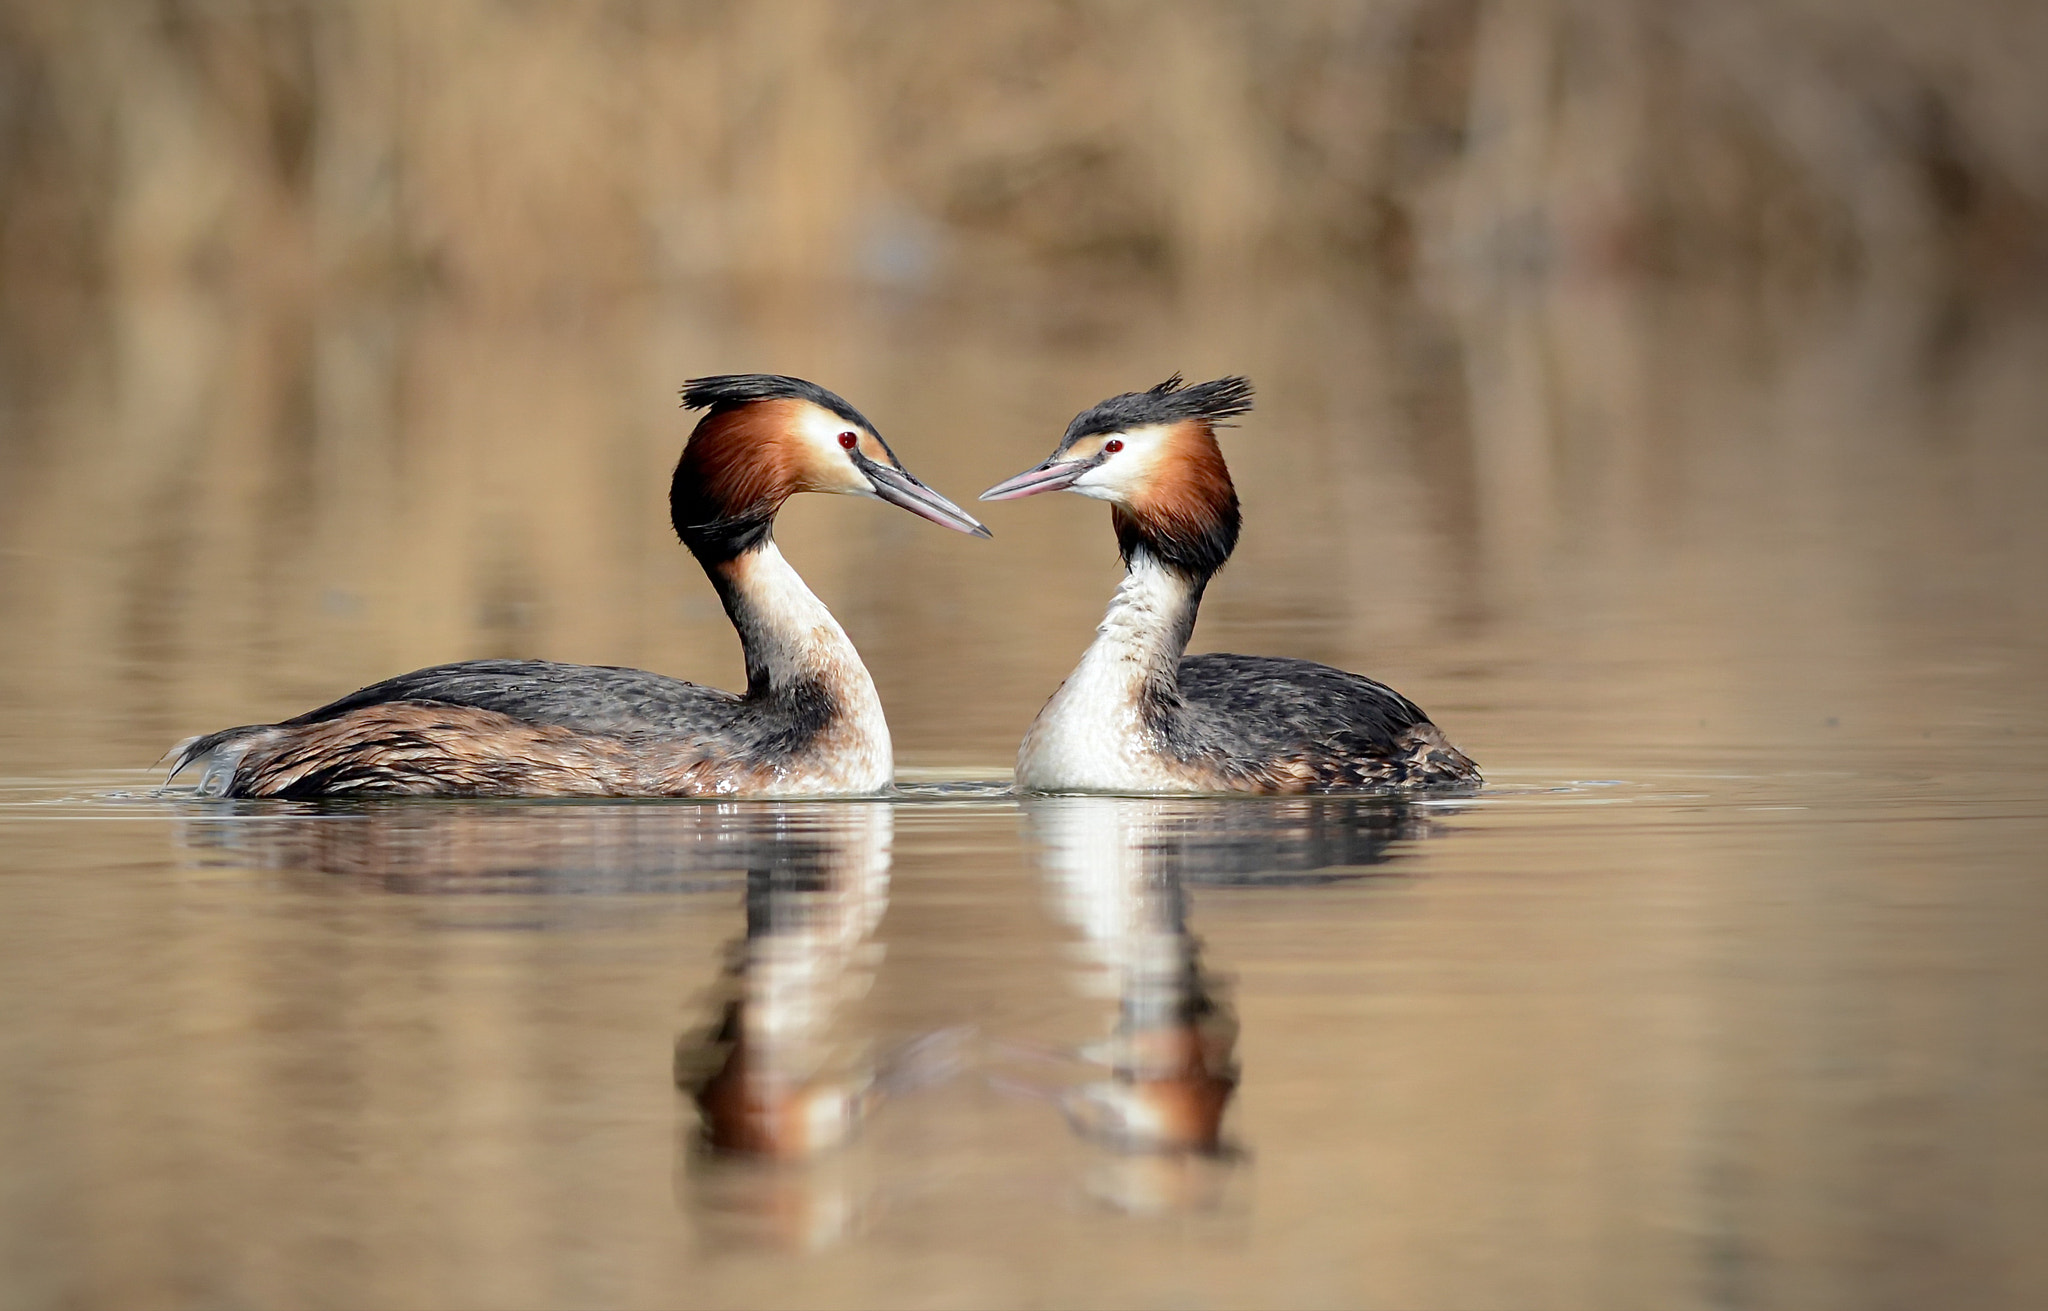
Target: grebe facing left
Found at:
x=1138, y=715
x=809, y=723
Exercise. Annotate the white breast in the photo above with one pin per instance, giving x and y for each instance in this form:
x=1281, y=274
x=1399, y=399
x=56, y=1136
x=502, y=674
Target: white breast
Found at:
x=1091, y=737
x=855, y=758
x=795, y=636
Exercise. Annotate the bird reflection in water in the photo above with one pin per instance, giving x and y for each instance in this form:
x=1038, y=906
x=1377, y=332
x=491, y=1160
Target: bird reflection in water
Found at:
x=773, y=1085
x=766, y=1073
x=1160, y=1083
x=540, y=848
x=777, y=1088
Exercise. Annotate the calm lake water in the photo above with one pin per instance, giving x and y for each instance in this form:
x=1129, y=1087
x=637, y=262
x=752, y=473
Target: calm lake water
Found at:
x=1730, y=988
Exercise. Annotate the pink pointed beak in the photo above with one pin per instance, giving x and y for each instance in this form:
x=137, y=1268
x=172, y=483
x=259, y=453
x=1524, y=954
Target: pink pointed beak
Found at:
x=1052, y=476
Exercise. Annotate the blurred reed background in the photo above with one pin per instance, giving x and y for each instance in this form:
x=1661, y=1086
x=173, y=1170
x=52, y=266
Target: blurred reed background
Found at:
x=338, y=337
x=530, y=157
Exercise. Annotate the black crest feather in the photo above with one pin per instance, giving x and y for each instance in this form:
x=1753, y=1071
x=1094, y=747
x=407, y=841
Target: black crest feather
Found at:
x=727, y=391
x=1170, y=402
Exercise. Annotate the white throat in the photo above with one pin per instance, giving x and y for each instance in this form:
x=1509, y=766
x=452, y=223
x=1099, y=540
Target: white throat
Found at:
x=791, y=640
x=786, y=630
x=1092, y=735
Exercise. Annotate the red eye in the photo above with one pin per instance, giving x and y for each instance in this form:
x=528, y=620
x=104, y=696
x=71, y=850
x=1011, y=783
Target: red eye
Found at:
x=849, y=440
x=1113, y=445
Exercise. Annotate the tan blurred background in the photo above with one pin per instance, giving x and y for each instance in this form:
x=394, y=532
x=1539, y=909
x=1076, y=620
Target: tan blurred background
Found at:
x=530, y=158
x=340, y=338
x=1654, y=391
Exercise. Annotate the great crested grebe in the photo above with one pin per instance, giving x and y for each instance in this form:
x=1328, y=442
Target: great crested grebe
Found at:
x=1138, y=715
x=809, y=723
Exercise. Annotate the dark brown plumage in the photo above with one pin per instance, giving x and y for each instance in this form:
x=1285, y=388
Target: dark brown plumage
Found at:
x=416, y=747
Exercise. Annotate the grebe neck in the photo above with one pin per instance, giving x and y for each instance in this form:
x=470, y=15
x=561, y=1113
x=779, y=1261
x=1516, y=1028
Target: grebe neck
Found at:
x=793, y=645
x=1098, y=733
x=1145, y=632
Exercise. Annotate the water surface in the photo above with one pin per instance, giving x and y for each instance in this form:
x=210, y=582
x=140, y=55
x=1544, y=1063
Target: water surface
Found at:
x=1726, y=991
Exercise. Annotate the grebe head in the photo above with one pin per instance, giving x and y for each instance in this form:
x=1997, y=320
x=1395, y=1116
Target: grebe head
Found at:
x=1153, y=456
x=766, y=437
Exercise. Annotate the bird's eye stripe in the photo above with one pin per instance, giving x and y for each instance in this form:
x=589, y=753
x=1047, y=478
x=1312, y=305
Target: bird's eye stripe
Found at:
x=849, y=440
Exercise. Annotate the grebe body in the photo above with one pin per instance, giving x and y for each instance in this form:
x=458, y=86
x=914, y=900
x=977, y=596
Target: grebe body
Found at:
x=809, y=723
x=1139, y=715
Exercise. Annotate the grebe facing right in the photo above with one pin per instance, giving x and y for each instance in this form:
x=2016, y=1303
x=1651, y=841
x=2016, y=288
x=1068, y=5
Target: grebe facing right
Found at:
x=809, y=723
x=1139, y=715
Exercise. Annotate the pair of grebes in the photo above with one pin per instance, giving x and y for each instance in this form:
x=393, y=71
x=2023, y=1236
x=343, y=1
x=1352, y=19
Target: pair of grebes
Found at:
x=1138, y=715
